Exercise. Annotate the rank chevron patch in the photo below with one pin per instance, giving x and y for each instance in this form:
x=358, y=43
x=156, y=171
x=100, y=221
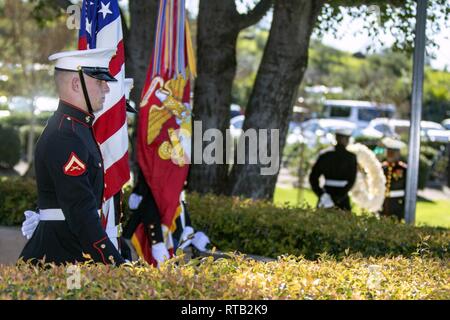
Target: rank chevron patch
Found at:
x=74, y=166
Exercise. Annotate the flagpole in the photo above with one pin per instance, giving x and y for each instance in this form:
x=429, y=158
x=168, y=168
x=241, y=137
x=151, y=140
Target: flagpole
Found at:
x=416, y=113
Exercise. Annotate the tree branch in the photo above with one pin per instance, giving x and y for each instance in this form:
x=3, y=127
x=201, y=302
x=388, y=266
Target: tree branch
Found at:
x=253, y=16
x=63, y=4
x=357, y=3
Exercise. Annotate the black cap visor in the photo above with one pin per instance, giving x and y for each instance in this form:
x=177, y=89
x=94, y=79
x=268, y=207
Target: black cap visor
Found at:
x=98, y=73
x=130, y=108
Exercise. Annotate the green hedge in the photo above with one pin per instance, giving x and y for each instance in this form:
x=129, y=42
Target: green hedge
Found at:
x=24, y=136
x=9, y=146
x=261, y=228
x=235, y=278
x=16, y=195
x=18, y=119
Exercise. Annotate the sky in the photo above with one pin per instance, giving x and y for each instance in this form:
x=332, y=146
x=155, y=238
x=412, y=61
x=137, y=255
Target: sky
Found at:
x=353, y=38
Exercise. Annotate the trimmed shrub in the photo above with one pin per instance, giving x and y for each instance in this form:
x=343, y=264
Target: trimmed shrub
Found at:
x=262, y=228
x=16, y=195
x=18, y=119
x=9, y=146
x=235, y=278
x=25, y=132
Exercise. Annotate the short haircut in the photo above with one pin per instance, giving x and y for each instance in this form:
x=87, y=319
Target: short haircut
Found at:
x=62, y=77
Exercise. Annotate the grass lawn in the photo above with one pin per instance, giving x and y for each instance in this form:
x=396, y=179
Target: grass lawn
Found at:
x=435, y=213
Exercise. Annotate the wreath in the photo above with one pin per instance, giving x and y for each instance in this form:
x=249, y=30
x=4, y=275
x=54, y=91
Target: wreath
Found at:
x=369, y=188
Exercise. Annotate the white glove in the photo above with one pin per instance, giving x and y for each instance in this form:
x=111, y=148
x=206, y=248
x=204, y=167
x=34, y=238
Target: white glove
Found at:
x=30, y=224
x=160, y=253
x=326, y=201
x=134, y=201
x=186, y=237
x=200, y=241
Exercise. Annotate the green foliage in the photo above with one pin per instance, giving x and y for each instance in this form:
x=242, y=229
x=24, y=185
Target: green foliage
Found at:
x=24, y=134
x=261, y=228
x=9, y=146
x=427, y=158
x=26, y=45
x=16, y=195
x=250, y=47
x=384, y=77
x=299, y=158
x=237, y=278
x=395, y=16
x=19, y=119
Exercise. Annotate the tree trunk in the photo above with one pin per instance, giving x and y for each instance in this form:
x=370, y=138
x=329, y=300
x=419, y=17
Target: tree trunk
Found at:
x=279, y=76
x=219, y=24
x=216, y=53
x=138, y=40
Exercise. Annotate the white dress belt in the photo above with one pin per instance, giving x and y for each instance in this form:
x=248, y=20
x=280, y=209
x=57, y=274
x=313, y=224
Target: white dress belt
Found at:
x=58, y=215
x=51, y=215
x=335, y=183
x=397, y=194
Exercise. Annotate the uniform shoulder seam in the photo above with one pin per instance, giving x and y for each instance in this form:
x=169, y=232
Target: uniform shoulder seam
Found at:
x=326, y=150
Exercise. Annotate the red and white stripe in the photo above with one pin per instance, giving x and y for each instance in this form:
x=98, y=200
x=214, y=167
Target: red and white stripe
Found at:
x=110, y=126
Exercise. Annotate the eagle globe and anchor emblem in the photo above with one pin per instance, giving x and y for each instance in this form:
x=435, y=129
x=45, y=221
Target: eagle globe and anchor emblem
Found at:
x=177, y=147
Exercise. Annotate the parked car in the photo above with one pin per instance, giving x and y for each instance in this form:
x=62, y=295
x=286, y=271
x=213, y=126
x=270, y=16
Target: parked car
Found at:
x=41, y=104
x=446, y=124
x=434, y=132
x=430, y=131
x=358, y=112
x=316, y=131
x=46, y=104
x=20, y=104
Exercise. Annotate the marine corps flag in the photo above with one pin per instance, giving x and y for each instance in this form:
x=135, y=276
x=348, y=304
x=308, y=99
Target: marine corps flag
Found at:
x=164, y=127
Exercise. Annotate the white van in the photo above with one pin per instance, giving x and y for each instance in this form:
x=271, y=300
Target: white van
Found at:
x=358, y=112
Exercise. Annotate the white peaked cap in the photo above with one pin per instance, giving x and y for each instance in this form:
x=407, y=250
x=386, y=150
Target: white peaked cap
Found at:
x=73, y=60
x=344, y=131
x=393, y=144
x=128, y=83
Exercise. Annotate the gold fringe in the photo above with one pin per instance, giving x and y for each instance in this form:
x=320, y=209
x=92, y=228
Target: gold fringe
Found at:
x=190, y=51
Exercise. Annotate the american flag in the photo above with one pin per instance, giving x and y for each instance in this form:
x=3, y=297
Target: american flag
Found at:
x=101, y=27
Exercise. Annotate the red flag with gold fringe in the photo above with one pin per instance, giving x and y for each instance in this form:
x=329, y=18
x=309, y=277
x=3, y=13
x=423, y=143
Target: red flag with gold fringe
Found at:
x=164, y=126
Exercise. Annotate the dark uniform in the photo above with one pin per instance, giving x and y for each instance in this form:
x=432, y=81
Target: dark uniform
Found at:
x=69, y=176
x=339, y=167
x=394, y=202
x=148, y=213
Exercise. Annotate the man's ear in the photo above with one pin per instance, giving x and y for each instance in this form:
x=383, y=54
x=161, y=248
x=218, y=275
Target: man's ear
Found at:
x=76, y=84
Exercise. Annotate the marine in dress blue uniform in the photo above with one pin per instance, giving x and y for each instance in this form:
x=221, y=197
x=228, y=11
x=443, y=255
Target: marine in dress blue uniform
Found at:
x=69, y=176
x=144, y=209
x=339, y=168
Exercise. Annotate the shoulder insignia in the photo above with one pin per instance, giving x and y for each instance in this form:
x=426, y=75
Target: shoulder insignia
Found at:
x=74, y=166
